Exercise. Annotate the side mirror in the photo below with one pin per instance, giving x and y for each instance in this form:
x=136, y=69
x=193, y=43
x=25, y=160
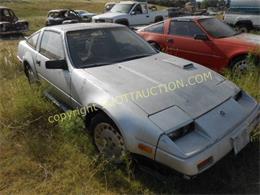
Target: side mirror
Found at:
x=133, y=13
x=56, y=64
x=201, y=37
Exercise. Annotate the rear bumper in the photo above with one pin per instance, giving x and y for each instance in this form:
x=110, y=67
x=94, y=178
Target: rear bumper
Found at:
x=217, y=150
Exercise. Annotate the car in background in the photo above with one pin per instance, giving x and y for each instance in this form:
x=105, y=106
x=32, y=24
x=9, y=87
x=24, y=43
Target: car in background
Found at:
x=175, y=12
x=132, y=101
x=85, y=15
x=131, y=13
x=109, y=6
x=213, y=11
x=62, y=16
x=9, y=22
x=202, y=39
x=244, y=15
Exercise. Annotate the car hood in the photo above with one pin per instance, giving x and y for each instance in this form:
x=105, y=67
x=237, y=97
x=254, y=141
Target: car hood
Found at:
x=142, y=74
x=245, y=39
x=109, y=15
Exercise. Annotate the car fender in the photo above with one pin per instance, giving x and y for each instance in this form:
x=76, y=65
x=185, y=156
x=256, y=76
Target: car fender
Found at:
x=236, y=54
x=135, y=128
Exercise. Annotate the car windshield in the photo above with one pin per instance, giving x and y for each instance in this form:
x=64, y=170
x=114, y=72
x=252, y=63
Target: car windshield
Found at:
x=97, y=47
x=216, y=28
x=57, y=14
x=122, y=8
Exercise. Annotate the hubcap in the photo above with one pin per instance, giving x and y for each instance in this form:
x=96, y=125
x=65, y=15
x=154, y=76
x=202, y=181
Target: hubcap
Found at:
x=241, y=65
x=109, y=142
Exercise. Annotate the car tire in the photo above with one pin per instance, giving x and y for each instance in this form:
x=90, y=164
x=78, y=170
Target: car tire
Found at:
x=243, y=27
x=239, y=64
x=30, y=74
x=158, y=19
x=107, y=138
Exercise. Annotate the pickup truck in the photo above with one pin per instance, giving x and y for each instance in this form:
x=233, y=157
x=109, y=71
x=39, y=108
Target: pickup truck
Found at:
x=243, y=15
x=131, y=13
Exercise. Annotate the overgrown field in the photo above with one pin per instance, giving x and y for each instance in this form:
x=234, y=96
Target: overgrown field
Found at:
x=39, y=157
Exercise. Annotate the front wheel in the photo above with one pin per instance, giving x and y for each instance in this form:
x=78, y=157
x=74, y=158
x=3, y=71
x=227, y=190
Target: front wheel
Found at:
x=107, y=138
x=239, y=64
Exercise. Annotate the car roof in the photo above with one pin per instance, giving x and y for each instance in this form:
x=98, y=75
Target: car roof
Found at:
x=81, y=26
x=3, y=7
x=190, y=18
x=128, y=2
x=58, y=10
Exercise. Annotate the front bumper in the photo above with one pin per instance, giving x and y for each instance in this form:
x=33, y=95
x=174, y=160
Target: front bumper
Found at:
x=216, y=151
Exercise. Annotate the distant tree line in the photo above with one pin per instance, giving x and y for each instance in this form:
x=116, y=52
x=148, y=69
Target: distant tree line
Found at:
x=169, y=3
x=181, y=3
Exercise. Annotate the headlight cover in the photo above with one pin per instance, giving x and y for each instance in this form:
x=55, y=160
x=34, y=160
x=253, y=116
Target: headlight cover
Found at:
x=178, y=133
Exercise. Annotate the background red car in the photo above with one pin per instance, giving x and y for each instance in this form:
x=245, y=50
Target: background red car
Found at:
x=202, y=39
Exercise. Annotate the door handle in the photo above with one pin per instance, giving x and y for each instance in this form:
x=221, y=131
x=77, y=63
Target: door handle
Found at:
x=147, y=16
x=38, y=62
x=170, y=41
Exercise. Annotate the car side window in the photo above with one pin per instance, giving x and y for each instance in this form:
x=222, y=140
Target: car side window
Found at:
x=138, y=9
x=32, y=41
x=51, y=45
x=157, y=28
x=185, y=28
x=6, y=13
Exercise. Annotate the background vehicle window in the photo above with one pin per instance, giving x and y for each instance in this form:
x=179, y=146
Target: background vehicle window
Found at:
x=144, y=9
x=6, y=13
x=51, y=46
x=33, y=40
x=157, y=28
x=138, y=9
x=188, y=29
x=252, y=11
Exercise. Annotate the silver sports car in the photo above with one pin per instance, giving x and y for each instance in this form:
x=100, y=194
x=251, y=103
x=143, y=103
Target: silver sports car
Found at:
x=138, y=100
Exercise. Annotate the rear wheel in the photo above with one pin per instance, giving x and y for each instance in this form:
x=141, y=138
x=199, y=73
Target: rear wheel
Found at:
x=107, y=138
x=30, y=74
x=243, y=27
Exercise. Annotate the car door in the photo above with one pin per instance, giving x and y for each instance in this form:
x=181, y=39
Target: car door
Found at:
x=58, y=80
x=139, y=15
x=181, y=42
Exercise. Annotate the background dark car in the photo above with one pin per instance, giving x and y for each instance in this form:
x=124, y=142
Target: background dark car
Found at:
x=9, y=22
x=62, y=16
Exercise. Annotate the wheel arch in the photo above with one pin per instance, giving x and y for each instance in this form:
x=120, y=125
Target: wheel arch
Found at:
x=237, y=55
x=123, y=21
x=247, y=23
x=158, y=18
x=98, y=109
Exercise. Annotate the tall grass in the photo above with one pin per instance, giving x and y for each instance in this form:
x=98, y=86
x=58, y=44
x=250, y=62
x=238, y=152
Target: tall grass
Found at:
x=59, y=158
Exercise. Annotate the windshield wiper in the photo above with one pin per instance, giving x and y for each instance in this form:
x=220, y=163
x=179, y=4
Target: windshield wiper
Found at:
x=94, y=65
x=133, y=58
